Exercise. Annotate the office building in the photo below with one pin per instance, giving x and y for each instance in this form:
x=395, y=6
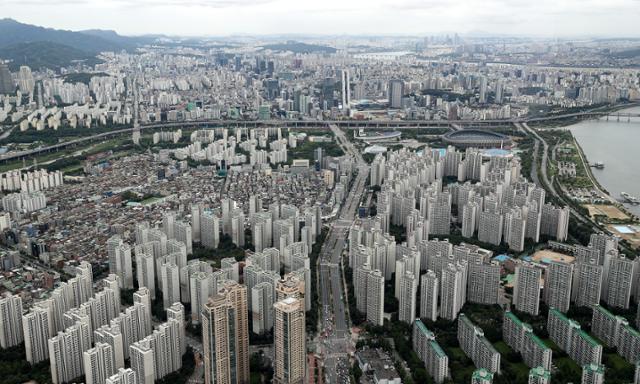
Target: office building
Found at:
x=6, y=82
x=429, y=351
x=395, y=93
x=526, y=290
x=11, y=333
x=225, y=336
x=290, y=355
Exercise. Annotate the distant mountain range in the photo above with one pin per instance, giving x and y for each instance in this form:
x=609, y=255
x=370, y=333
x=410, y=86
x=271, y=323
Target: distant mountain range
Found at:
x=41, y=47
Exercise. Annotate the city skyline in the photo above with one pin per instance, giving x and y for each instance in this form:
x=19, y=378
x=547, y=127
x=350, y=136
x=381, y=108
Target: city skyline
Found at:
x=218, y=18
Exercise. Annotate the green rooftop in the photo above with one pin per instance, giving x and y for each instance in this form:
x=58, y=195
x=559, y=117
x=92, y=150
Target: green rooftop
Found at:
x=482, y=374
x=537, y=340
x=539, y=372
x=588, y=338
x=597, y=368
x=433, y=343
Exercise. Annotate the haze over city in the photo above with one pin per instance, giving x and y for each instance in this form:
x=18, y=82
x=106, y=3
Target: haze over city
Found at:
x=546, y=18
x=332, y=192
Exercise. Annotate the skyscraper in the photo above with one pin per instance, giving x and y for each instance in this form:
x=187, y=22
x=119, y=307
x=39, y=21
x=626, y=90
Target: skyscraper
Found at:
x=395, y=93
x=289, y=342
x=6, y=82
x=345, y=91
x=225, y=336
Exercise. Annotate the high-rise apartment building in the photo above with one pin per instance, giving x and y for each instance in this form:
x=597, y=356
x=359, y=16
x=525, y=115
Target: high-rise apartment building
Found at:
x=568, y=335
x=11, y=333
x=225, y=336
x=37, y=329
x=407, y=303
x=526, y=290
x=557, y=285
x=520, y=337
x=290, y=355
x=429, y=287
x=98, y=364
x=425, y=345
x=476, y=346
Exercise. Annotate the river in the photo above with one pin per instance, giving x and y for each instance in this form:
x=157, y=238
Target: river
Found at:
x=617, y=145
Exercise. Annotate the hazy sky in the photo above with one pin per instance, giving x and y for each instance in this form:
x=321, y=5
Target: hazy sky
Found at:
x=226, y=17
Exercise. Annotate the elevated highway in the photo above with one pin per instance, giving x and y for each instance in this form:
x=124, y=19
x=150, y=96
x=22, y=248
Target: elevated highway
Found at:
x=313, y=124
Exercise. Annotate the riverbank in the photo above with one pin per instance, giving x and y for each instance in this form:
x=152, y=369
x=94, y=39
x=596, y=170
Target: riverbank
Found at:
x=561, y=123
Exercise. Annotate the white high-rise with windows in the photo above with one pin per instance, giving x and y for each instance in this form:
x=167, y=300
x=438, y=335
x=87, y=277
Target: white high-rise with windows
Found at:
x=11, y=333
x=453, y=290
x=37, y=328
x=210, y=230
x=429, y=286
x=66, y=351
x=98, y=364
x=557, y=285
x=123, y=376
x=170, y=284
x=526, y=290
x=408, y=289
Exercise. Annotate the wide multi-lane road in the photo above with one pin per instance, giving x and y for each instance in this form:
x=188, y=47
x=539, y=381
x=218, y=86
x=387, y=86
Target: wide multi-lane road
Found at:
x=335, y=338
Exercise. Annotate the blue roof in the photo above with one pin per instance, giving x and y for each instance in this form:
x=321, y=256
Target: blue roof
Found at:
x=503, y=257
